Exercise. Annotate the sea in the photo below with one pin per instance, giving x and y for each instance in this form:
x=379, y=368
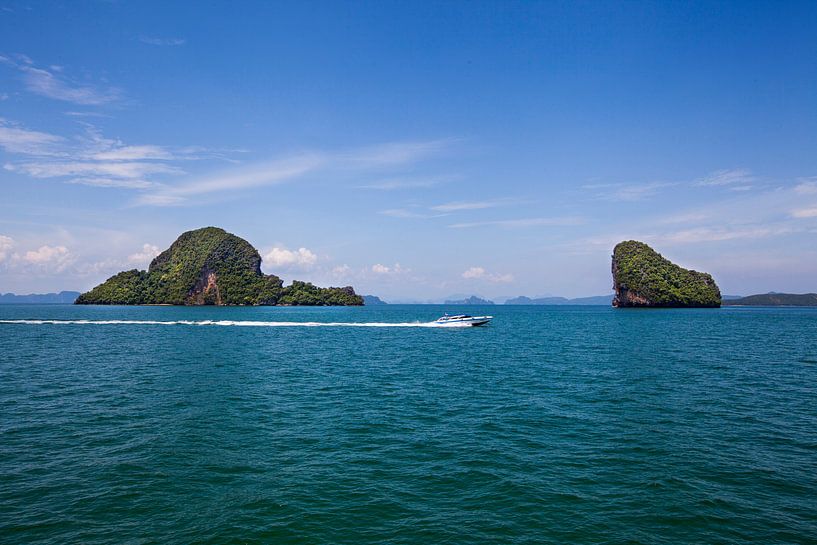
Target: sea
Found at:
x=552, y=424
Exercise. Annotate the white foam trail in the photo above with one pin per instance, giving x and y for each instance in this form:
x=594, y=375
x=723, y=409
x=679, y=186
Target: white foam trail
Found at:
x=234, y=323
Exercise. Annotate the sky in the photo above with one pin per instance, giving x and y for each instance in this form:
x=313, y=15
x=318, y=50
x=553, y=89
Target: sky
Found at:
x=413, y=150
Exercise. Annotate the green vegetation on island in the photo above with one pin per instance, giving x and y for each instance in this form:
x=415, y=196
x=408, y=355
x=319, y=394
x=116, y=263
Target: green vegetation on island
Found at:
x=775, y=300
x=643, y=278
x=210, y=266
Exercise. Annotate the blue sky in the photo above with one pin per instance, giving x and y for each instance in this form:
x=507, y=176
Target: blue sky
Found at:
x=412, y=150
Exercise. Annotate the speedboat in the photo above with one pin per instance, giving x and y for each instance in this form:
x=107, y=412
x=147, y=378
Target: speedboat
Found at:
x=463, y=320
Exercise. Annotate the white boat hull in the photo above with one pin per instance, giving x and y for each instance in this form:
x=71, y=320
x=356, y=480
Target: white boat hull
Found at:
x=462, y=322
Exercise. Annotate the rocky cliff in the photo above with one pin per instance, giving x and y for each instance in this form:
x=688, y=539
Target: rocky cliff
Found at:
x=210, y=266
x=643, y=278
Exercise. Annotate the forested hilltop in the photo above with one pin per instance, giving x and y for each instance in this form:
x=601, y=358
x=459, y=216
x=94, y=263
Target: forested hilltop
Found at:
x=210, y=266
x=644, y=278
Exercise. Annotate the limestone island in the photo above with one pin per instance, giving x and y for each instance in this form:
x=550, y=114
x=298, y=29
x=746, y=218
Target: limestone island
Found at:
x=210, y=266
x=643, y=278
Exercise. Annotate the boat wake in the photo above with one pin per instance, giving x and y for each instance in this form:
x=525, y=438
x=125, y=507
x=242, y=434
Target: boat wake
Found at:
x=234, y=323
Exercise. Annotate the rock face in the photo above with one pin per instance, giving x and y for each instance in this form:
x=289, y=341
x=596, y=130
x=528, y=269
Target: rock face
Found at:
x=643, y=278
x=210, y=266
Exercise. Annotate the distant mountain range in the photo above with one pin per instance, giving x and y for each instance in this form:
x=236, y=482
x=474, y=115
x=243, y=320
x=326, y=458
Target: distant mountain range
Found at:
x=61, y=298
x=371, y=300
x=473, y=300
x=593, y=300
x=775, y=300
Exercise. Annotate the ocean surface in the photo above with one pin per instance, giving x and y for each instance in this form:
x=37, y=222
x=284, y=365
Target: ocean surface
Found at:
x=550, y=425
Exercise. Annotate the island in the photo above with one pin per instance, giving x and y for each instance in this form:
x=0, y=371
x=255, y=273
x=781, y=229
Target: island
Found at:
x=643, y=278
x=210, y=266
x=61, y=298
x=473, y=300
x=372, y=300
x=775, y=300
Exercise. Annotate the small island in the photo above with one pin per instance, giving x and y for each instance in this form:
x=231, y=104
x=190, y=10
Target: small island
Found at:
x=643, y=278
x=775, y=300
x=210, y=266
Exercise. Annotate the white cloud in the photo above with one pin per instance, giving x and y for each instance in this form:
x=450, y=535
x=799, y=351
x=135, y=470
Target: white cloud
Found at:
x=522, y=222
x=474, y=272
x=6, y=244
x=149, y=251
x=150, y=40
x=805, y=213
x=302, y=258
x=479, y=273
x=54, y=258
x=727, y=177
x=341, y=271
x=378, y=268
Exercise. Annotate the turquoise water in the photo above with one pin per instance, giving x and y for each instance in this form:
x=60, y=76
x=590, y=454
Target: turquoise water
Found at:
x=551, y=425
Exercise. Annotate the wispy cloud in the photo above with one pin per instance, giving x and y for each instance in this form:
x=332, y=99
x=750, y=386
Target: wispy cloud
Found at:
x=112, y=182
x=393, y=184
x=91, y=159
x=722, y=233
x=53, y=83
x=521, y=222
x=47, y=84
x=16, y=139
x=403, y=213
x=288, y=169
x=109, y=170
x=806, y=186
x=627, y=192
x=94, y=160
x=270, y=173
x=394, y=153
x=740, y=178
x=471, y=205
x=805, y=212
x=152, y=40
x=6, y=245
